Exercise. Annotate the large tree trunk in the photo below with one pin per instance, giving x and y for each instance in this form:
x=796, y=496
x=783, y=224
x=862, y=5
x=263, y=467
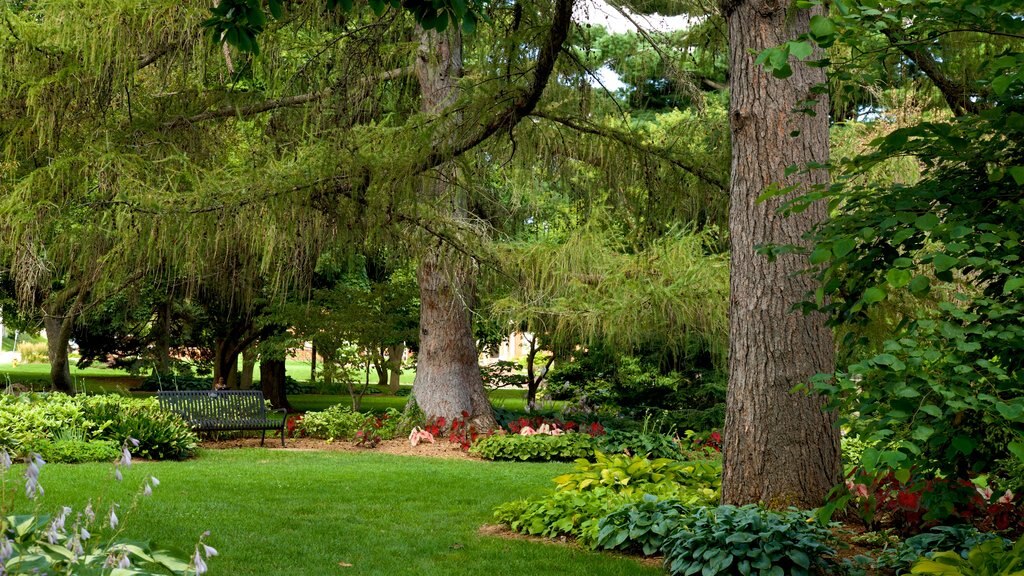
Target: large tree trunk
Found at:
x=272, y=381
x=781, y=448
x=57, y=338
x=448, y=382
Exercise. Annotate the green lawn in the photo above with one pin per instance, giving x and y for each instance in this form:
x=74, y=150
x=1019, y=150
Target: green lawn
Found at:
x=306, y=513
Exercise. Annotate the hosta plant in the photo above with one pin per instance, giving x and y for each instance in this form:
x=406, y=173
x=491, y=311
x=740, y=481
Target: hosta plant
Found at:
x=746, y=540
x=692, y=483
x=537, y=447
x=568, y=513
x=641, y=526
x=989, y=558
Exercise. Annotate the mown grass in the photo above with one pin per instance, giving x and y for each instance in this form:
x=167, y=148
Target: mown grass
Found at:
x=313, y=513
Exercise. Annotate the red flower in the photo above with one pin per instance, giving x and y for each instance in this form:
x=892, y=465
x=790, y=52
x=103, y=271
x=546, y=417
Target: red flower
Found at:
x=908, y=500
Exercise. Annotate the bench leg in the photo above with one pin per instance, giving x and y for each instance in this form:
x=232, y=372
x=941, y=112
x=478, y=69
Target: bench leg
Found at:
x=263, y=436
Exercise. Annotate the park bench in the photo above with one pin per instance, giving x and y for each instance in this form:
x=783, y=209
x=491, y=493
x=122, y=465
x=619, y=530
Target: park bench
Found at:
x=214, y=410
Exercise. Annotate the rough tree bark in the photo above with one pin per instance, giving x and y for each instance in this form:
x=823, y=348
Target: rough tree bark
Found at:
x=781, y=448
x=448, y=382
x=395, y=367
x=272, y=381
x=57, y=352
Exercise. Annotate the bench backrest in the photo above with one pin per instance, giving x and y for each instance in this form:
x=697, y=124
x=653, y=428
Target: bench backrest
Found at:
x=200, y=406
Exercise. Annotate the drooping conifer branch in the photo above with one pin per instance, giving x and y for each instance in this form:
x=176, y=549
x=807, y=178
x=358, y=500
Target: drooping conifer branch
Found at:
x=361, y=86
x=717, y=181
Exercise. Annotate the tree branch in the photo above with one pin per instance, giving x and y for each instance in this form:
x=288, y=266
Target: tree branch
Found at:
x=956, y=95
x=289, y=101
x=702, y=174
x=523, y=103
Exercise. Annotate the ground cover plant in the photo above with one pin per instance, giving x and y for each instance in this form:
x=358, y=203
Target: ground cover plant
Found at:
x=301, y=513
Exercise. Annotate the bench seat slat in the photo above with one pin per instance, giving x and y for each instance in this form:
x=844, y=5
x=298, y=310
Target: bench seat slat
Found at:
x=214, y=410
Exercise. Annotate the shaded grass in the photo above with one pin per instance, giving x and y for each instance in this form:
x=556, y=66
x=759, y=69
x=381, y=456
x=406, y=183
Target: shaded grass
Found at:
x=303, y=513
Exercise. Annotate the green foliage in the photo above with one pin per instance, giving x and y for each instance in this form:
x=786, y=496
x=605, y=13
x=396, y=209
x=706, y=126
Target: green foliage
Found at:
x=33, y=352
x=537, y=447
x=692, y=483
x=959, y=539
x=641, y=389
x=641, y=526
x=989, y=558
x=29, y=417
x=73, y=451
x=160, y=434
x=640, y=442
x=940, y=257
x=564, y=513
x=731, y=540
x=337, y=422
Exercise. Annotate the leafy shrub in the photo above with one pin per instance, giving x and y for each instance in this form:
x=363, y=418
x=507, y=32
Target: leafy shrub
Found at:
x=692, y=483
x=30, y=419
x=960, y=539
x=989, y=558
x=538, y=447
x=160, y=434
x=376, y=428
x=731, y=540
x=650, y=444
x=336, y=422
x=641, y=526
x=74, y=451
x=566, y=513
x=503, y=374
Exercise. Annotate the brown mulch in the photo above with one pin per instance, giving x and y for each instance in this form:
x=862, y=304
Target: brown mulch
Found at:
x=400, y=446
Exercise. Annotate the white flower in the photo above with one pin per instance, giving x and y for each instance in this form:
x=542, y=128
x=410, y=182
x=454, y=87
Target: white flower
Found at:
x=113, y=519
x=209, y=550
x=197, y=562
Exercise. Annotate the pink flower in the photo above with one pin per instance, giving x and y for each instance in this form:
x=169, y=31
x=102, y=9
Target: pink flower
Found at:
x=417, y=436
x=527, y=431
x=986, y=492
x=1006, y=498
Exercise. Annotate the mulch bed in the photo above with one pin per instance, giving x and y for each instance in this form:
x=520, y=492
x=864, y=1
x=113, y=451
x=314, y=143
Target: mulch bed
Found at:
x=399, y=446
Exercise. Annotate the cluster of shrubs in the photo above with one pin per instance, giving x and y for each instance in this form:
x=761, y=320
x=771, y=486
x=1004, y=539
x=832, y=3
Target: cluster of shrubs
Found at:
x=668, y=508
x=342, y=423
x=82, y=428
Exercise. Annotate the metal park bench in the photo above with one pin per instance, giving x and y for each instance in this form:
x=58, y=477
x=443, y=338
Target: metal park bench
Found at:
x=214, y=410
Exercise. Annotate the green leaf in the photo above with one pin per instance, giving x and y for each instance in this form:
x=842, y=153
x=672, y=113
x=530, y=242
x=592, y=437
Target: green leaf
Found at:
x=898, y=278
x=1017, y=449
x=822, y=30
x=943, y=262
x=926, y=222
x=1012, y=284
x=800, y=50
x=843, y=246
x=920, y=284
x=820, y=255
x=873, y=295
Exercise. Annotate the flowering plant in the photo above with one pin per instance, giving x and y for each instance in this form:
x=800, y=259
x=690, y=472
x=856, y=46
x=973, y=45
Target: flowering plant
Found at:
x=83, y=542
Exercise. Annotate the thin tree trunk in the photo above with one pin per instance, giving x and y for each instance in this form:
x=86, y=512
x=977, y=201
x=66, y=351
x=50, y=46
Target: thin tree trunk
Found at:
x=395, y=367
x=448, y=382
x=272, y=381
x=162, y=342
x=781, y=448
x=312, y=364
x=57, y=352
x=380, y=367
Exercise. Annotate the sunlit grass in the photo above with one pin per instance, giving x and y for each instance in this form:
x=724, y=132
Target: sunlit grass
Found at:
x=310, y=513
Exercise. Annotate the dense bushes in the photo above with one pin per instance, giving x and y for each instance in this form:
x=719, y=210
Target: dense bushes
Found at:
x=341, y=423
x=80, y=428
x=605, y=381
x=537, y=447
